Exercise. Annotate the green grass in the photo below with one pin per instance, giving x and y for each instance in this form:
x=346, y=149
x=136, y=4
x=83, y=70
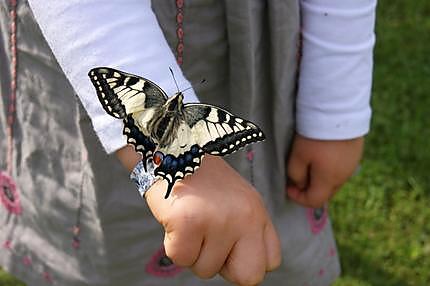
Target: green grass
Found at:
x=382, y=216
x=8, y=280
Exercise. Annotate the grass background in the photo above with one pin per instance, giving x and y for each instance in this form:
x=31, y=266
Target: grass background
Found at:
x=382, y=216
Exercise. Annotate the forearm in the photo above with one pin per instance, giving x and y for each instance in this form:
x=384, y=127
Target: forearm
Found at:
x=128, y=157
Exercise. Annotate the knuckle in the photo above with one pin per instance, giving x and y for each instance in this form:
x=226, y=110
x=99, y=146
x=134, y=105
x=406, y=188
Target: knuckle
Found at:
x=204, y=274
x=180, y=258
x=251, y=279
x=188, y=218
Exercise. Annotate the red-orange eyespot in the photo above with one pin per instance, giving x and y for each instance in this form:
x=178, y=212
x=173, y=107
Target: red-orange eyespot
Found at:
x=158, y=158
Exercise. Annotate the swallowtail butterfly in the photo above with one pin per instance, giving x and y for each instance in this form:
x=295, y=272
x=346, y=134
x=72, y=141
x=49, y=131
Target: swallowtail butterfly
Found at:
x=174, y=134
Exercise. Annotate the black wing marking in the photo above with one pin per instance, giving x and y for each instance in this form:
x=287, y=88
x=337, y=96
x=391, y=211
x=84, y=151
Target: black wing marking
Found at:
x=219, y=132
x=142, y=143
x=175, y=168
x=122, y=93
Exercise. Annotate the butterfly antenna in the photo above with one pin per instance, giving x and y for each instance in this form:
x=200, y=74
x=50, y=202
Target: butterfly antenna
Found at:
x=174, y=79
x=202, y=81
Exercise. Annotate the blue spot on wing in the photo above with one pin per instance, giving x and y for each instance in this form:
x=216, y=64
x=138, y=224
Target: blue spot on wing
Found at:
x=174, y=168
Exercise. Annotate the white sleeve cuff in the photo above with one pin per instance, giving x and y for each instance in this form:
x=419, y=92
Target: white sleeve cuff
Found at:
x=336, y=69
x=120, y=34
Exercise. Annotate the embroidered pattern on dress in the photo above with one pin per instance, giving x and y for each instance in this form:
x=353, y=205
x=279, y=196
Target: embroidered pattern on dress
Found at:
x=317, y=219
x=250, y=156
x=180, y=31
x=9, y=194
x=161, y=266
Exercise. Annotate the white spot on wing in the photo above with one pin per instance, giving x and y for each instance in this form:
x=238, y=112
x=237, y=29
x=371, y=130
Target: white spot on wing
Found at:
x=212, y=130
x=139, y=85
x=213, y=115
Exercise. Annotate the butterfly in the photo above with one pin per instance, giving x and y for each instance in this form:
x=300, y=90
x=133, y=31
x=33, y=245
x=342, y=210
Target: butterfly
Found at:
x=175, y=135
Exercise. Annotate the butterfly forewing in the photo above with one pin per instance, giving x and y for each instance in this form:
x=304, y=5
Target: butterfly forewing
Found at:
x=122, y=93
x=219, y=132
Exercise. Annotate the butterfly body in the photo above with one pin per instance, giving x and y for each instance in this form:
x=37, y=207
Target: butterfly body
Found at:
x=179, y=134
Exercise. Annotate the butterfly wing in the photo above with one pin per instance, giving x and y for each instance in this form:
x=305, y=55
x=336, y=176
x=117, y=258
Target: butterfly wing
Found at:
x=205, y=129
x=131, y=98
x=122, y=93
x=217, y=131
x=142, y=143
x=175, y=167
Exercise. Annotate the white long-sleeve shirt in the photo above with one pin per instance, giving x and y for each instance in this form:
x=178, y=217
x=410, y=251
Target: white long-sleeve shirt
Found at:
x=335, y=72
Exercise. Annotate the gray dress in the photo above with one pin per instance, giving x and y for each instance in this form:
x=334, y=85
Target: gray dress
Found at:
x=80, y=220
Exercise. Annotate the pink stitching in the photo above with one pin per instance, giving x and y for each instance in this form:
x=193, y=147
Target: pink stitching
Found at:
x=47, y=276
x=12, y=97
x=26, y=260
x=7, y=244
x=250, y=155
x=180, y=31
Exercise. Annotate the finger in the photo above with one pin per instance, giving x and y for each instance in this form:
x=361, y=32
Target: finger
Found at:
x=297, y=170
x=246, y=264
x=318, y=193
x=212, y=257
x=273, y=247
x=180, y=246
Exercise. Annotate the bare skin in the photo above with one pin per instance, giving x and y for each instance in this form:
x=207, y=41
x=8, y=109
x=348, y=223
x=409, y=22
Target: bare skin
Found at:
x=318, y=168
x=232, y=233
x=214, y=222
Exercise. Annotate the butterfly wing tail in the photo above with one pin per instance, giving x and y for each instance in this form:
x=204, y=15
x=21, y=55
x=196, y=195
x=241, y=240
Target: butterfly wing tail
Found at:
x=169, y=189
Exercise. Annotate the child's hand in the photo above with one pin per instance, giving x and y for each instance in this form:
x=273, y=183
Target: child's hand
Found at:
x=215, y=222
x=317, y=168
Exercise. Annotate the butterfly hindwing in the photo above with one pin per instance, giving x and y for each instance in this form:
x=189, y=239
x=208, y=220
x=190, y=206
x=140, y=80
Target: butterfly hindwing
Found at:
x=142, y=144
x=122, y=93
x=174, y=168
x=219, y=132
